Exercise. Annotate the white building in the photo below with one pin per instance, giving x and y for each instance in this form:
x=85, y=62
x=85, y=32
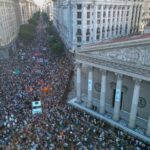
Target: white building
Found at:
x=145, y=14
x=9, y=25
x=48, y=8
x=27, y=9
x=84, y=22
x=113, y=81
x=12, y=14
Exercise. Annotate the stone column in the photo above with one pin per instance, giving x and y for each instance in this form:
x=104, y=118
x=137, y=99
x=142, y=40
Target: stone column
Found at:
x=134, y=106
x=117, y=97
x=90, y=86
x=103, y=92
x=148, y=127
x=78, y=86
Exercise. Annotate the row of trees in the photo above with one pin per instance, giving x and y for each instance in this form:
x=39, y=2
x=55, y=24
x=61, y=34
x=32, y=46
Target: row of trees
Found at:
x=55, y=42
x=27, y=31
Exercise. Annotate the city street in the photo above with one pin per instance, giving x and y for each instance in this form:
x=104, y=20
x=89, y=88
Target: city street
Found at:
x=35, y=74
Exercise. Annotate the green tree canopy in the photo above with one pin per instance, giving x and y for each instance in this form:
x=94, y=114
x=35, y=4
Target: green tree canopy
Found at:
x=34, y=19
x=26, y=32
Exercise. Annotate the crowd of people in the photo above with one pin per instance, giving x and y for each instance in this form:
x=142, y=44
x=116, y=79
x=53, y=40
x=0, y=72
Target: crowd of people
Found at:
x=33, y=74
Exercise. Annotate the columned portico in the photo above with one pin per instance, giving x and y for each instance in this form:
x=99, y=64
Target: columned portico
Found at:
x=78, y=87
x=103, y=92
x=112, y=90
x=90, y=86
x=117, y=97
x=134, y=106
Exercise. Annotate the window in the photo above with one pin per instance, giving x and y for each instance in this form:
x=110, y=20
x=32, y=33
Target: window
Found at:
x=104, y=14
x=79, y=14
x=79, y=32
x=108, y=29
x=126, y=29
x=109, y=14
x=98, y=37
x=88, y=32
x=87, y=38
x=122, y=14
x=79, y=22
x=88, y=22
x=88, y=14
x=98, y=21
x=79, y=39
x=98, y=14
x=99, y=6
x=127, y=13
x=118, y=13
x=98, y=30
x=79, y=6
x=103, y=29
x=121, y=29
x=88, y=6
x=113, y=13
x=112, y=28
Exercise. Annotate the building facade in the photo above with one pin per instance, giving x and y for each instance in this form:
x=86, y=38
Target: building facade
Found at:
x=112, y=83
x=10, y=20
x=84, y=22
x=48, y=8
x=9, y=25
x=27, y=9
x=145, y=15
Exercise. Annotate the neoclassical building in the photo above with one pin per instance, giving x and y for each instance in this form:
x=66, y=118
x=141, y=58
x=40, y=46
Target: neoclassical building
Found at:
x=12, y=15
x=113, y=83
x=92, y=21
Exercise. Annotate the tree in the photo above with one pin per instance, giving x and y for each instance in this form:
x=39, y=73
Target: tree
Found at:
x=26, y=32
x=57, y=48
x=34, y=19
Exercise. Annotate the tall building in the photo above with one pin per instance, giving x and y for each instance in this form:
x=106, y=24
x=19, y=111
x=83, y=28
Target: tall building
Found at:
x=92, y=21
x=9, y=25
x=12, y=14
x=27, y=9
x=48, y=8
x=145, y=14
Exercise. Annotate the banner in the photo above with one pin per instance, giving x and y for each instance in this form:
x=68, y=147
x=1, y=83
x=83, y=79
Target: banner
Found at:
x=36, y=111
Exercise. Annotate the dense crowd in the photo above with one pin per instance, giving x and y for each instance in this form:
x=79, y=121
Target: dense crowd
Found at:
x=36, y=74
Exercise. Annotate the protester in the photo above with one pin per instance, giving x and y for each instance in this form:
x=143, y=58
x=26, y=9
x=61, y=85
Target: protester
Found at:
x=36, y=74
